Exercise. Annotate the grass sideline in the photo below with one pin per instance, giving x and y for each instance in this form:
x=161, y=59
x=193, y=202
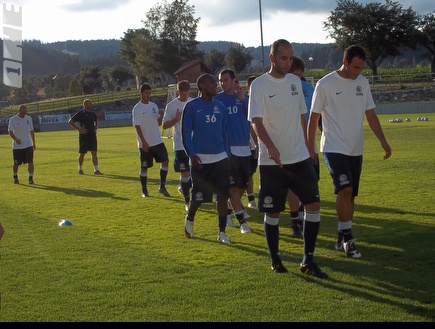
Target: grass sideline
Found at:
x=126, y=258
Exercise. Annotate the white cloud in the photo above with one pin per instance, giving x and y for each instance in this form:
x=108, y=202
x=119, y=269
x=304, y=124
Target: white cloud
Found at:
x=237, y=21
x=93, y=5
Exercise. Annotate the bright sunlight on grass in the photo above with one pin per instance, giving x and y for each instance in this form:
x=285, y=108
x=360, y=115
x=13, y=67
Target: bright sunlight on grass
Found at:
x=125, y=258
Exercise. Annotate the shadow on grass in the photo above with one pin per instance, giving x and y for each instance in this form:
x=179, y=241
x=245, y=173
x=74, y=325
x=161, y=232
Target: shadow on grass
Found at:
x=89, y=193
x=398, y=273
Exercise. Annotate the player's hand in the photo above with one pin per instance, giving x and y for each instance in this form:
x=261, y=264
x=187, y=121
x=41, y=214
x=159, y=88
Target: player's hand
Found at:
x=257, y=151
x=145, y=147
x=240, y=93
x=387, y=149
x=196, y=162
x=178, y=115
x=275, y=155
x=314, y=156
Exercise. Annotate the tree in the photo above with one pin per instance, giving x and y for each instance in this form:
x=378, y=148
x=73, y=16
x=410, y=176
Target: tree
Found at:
x=426, y=36
x=382, y=30
x=107, y=82
x=126, y=47
x=120, y=74
x=57, y=86
x=325, y=57
x=126, y=50
x=166, y=41
x=215, y=60
x=71, y=65
x=74, y=88
x=174, y=25
x=147, y=50
x=114, y=77
x=28, y=91
x=90, y=79
x=237, y=57
x=5, y=92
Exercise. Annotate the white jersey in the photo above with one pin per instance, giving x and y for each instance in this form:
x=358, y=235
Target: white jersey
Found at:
x=147, y=117
x=21, y=127
x=280, y=102
x=342, y=104
x=170, y=114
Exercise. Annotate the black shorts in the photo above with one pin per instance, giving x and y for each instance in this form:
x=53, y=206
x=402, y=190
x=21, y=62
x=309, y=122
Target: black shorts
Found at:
x=345, y=171
x=157, y=152
x=181, y=161
x=212, y=178
x=300, y=177
x=87, y=142
x=23, y=155
x=240, y=171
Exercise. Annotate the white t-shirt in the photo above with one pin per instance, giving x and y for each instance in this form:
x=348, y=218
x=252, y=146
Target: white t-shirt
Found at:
x=280, y=102
x=21, y=128
x=147, y=117
x=342, y=103
x=170, y=114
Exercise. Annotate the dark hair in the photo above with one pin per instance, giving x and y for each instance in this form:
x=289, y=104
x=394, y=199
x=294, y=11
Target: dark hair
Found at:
x=202, y=79
x=354, y=51
x=183, y=85
x=230, y=72
x=297, y=64
x=278, y=43
x=145, y=86
x=249, y=80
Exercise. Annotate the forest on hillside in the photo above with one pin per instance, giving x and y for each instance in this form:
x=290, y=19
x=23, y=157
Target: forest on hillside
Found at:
x=67, y=57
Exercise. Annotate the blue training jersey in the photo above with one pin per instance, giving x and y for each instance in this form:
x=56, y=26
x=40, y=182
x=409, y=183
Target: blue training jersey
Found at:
x=308, y=91
x=238, y=124
x=204, y=128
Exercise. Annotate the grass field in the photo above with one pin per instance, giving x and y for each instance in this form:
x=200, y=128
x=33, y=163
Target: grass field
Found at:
x=126, y=258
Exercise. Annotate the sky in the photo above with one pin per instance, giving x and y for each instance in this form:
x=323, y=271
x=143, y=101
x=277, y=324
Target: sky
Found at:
x=220, y=20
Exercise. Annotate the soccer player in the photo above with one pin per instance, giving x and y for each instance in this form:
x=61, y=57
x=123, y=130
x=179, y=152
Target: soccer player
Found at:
x=172, y=118
x=277, y=111
x=343, y=98
x=236, y=104
x=20, y=129
x=147, y=118
x=296, y=208
x=206, y=141
x=88, y=124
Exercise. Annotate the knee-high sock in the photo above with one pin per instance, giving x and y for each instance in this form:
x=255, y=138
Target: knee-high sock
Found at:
x=143, y=180
x=271, y=232
x=311, y=229
x=185, y=187
x=163, y=175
